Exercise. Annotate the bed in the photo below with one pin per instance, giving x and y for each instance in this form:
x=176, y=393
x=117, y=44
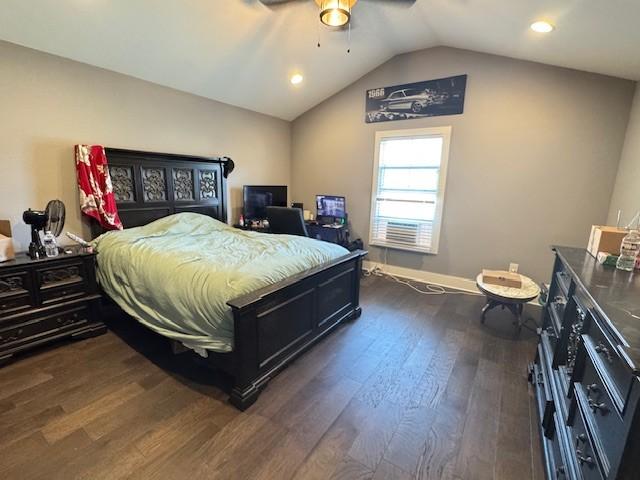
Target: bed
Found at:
x=261, y=300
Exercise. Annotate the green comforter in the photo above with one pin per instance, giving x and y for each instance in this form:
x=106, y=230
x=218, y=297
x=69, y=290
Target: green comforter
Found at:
x=176, y=274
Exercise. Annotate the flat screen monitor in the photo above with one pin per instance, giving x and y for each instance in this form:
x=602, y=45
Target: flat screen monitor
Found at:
x=257, y=198
x=330, y=206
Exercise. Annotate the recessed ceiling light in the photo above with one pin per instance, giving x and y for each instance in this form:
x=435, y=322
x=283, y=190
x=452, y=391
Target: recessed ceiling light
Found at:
x=296, y=79
x=542, y=27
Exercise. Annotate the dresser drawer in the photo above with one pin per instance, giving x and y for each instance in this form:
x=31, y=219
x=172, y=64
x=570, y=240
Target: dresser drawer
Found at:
x=556, y=464
x=544, y=397
x=15, y=303
x=29, y=330
x=63, y=293
x=15, y=293
x=585, y=456
x=600, y=414
x=615, y=374
x=60, y=275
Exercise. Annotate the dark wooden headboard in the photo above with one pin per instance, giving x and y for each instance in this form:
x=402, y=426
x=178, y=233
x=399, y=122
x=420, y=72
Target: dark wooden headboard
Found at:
x=148, y=186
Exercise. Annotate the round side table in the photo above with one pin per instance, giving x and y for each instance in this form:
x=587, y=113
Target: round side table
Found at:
x=508, y=297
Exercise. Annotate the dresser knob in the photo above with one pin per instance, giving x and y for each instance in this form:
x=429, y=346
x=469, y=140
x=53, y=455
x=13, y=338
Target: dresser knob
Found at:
x=581, y=438
x=593, y=388
x=582, y=459
x=560, y=472
x=595, y=406
x=602, y=349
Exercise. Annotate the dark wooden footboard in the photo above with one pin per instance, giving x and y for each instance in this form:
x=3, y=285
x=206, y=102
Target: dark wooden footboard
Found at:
x=275, y=324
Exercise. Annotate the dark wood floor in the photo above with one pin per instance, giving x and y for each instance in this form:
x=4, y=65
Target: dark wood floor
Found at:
x=416, y=388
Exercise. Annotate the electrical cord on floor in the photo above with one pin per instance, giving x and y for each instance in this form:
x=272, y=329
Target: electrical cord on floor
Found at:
x=431, y=289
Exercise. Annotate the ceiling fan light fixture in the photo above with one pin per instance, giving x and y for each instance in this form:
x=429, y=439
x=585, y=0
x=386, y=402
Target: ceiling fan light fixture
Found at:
x=335, y=13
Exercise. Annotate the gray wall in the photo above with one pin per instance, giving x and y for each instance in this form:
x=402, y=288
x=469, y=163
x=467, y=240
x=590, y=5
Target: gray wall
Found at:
x=626, y=194
x=48, y=104
x=533, y=159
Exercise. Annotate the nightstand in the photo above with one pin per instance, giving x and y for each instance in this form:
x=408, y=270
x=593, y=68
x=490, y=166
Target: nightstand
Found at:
x=44, y=300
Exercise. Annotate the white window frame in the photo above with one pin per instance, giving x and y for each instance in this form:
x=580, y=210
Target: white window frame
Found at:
x=445, y=134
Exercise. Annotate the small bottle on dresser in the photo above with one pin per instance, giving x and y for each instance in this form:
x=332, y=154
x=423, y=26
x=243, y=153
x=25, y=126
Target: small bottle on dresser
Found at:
x=50, y=245
x=629, y=250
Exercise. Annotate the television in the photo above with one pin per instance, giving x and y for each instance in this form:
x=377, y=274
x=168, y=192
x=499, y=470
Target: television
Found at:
x=330, y=206
x=257, y=198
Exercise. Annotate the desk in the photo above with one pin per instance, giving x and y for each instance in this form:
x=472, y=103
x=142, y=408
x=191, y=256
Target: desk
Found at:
x=338, y=234
x=334, y=234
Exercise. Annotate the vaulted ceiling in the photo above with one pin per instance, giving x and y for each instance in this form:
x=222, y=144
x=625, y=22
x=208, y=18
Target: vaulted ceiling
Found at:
x=242, y=52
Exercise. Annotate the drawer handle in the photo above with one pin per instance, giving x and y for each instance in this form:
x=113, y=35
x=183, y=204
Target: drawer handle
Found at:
x=595, y=406
x=581, y=438
x=593, y=388
x=602, y=349
x=68, y=321
x=559, y=300
x=582, y=459
x=12, y=338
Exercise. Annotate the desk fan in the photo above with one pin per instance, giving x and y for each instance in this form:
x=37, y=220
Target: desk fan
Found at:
x=51, y=219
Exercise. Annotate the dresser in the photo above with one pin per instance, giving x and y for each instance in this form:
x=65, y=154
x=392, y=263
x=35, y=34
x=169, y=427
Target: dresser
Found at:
x=48, y=299
x=586, y=370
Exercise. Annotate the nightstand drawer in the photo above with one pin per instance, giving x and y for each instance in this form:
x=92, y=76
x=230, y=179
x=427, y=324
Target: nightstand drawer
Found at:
x=61, y=275
x=16, y=283
x=52, y=323
x=15, y=292
x=15, y=303
x=63, y=293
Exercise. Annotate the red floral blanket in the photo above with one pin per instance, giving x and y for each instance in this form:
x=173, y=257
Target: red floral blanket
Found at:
x=94, y=182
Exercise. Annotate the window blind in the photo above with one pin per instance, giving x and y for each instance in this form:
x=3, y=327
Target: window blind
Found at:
x=407, y=197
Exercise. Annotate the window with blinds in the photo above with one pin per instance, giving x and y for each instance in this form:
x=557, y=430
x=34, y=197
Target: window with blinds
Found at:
x=408, y=188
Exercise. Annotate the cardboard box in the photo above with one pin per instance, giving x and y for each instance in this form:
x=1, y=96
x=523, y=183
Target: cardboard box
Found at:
x=5, y=228
x=605, y=239
x=6, y=242
x=501, y=278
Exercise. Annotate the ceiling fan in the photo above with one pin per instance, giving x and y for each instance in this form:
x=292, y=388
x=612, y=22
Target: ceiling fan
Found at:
x=337, y=13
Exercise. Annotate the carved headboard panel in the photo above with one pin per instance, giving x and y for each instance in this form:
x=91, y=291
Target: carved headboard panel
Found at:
x=148, y=186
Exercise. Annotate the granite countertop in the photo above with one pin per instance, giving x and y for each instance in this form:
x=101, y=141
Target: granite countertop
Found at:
x=615, y=293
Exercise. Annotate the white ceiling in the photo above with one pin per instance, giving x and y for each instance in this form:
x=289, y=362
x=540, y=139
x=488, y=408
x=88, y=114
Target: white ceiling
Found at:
x=242, y=52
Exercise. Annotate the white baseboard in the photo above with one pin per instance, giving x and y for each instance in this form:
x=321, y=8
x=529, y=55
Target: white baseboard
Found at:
x=449, y=281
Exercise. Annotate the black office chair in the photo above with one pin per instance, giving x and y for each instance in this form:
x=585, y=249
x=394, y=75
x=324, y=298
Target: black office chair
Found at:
x=286, y=220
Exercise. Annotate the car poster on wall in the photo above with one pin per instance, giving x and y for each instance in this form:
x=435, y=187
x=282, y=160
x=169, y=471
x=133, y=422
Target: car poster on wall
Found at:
x=430, y=98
